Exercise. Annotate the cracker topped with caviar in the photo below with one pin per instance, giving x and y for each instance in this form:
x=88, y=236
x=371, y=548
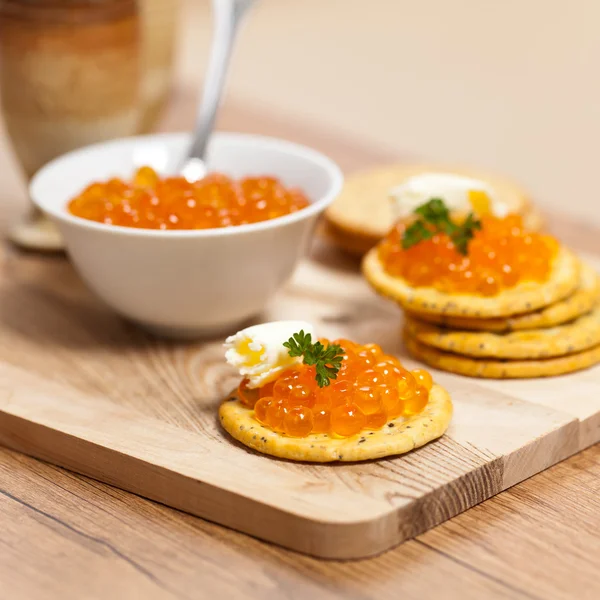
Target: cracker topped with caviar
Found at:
x=317, y=400
x=373, y=200
x=487, y=288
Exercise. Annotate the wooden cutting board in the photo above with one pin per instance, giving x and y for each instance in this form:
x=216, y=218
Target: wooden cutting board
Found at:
x=81, y=389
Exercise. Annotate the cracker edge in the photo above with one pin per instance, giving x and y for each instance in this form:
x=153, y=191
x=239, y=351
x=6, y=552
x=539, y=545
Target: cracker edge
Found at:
x=524, y=297
x=569, y=338
x=490, y=369
x=582, y=301
x=398, y=436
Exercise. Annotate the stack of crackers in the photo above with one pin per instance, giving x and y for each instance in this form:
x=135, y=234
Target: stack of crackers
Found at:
x=530, y=330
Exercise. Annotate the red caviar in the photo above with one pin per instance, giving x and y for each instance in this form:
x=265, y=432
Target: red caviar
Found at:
x=371, y=388
x=149, y=202
x=500, y=255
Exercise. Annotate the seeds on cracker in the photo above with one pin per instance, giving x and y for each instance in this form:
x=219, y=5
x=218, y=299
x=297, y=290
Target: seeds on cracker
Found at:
x=502, y=369
x=581, y=302
x=335, y=400
x=572, y=337
x=398, y=436
x=524, y=297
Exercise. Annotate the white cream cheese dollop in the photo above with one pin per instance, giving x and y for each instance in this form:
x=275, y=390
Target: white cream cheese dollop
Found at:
x=454, y=190
x=258, y=351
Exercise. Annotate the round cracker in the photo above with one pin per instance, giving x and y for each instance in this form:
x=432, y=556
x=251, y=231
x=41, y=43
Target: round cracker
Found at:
x=581, y=302
x=524, y=297
x=502, y=369
x=363, y=209
x=572, y=337
x=398, y=436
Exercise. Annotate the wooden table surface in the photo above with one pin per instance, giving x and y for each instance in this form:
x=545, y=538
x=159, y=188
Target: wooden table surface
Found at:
x=66, y=536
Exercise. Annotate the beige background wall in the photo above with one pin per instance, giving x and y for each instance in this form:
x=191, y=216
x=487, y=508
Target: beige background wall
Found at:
x=511, y=85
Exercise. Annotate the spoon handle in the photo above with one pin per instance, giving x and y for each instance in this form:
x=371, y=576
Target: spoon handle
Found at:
x=227, y=17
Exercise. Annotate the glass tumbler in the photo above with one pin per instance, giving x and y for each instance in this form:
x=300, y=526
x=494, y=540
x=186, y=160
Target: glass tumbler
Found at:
x=69, y=76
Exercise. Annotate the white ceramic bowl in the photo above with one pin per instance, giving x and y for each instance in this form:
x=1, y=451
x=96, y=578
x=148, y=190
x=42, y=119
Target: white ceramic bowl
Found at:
x=187, y=283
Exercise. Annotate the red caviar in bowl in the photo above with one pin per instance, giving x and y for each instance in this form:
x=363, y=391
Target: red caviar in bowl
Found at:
x=500, y=255
x=371, y=388
x=151, y=202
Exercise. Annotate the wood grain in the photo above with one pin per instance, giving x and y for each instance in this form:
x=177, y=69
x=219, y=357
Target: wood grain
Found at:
x=334, y=512
x=67, y=536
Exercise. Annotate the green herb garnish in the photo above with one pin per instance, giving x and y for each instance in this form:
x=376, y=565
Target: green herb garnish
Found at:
x=434, y=217
x=326, y=359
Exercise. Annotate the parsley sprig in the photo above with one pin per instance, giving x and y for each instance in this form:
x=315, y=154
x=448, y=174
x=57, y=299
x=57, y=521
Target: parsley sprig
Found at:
x=434, y=217
x=326, y=359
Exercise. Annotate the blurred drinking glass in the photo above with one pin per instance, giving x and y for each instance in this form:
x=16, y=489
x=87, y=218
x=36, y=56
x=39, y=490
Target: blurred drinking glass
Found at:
x=70, y=76
x=159, y=26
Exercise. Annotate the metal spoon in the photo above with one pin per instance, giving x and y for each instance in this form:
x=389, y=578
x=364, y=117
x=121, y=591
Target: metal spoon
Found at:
x=227, y=17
